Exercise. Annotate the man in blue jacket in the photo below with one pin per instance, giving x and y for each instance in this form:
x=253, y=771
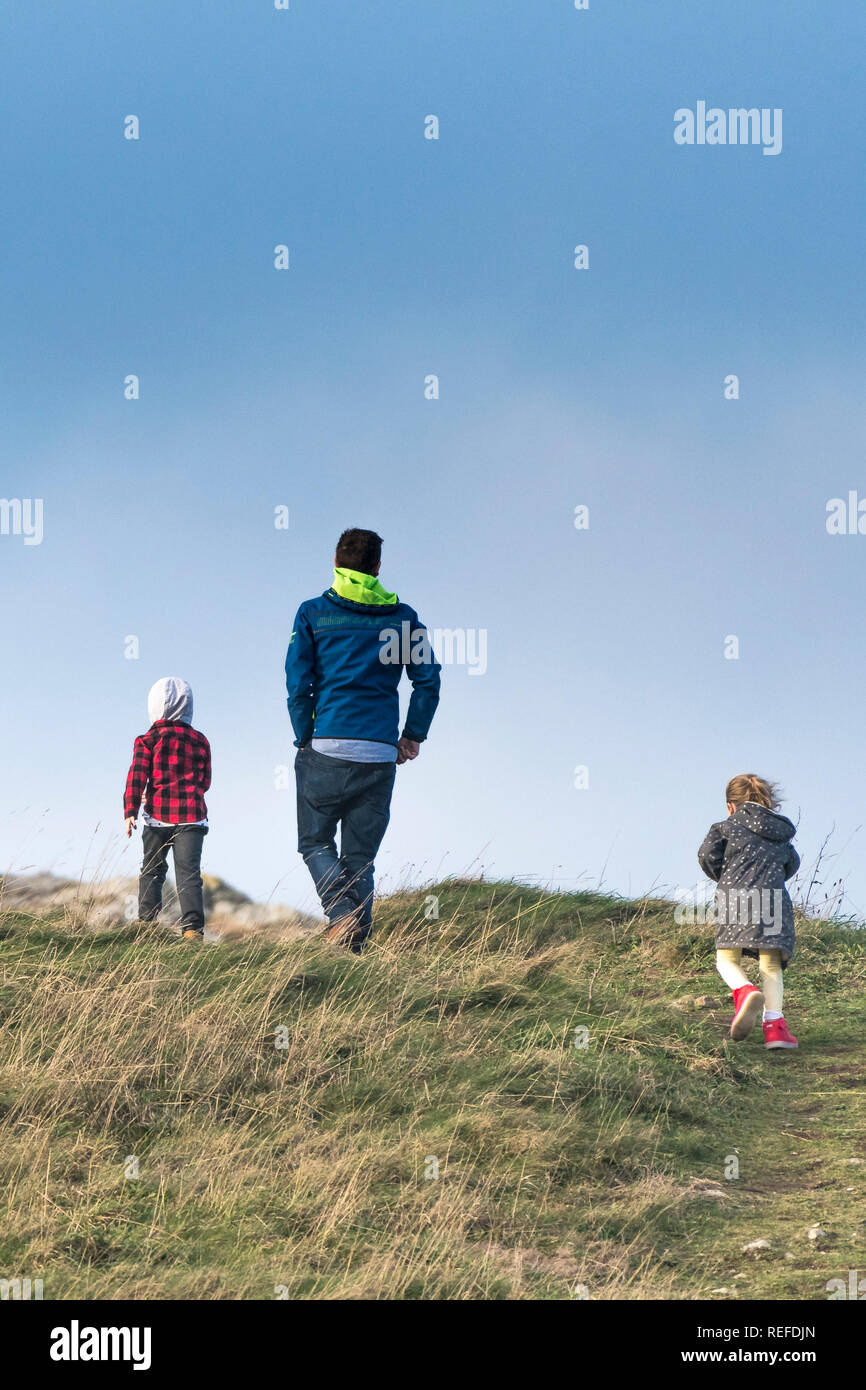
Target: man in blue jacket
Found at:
x=346, y=655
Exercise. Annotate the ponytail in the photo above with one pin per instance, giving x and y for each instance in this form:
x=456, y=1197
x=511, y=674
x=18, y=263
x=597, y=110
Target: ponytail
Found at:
x=747, y=786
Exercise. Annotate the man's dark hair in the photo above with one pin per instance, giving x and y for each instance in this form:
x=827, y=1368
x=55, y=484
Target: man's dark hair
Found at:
x=359, y=550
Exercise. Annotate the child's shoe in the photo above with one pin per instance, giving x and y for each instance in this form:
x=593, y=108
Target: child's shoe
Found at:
x=777, y=1034
x=748, y=1003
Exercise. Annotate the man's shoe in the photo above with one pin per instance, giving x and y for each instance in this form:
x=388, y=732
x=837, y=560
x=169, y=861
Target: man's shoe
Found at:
x=190, y=934
x=342, y=931
x=748, y=1003
x=777, y=1034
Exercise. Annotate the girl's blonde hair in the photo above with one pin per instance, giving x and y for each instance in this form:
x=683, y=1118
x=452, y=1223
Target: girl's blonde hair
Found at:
x=747, y=786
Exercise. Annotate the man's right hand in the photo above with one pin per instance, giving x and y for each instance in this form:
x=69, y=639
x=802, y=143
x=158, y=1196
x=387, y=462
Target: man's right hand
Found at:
x=130, y=825
x=407, y=749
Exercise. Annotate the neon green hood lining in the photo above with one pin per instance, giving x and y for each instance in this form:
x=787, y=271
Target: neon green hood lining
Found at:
x=360, y=588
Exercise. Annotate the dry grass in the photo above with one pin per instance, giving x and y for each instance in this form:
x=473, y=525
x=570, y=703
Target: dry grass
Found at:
x=284, y=1102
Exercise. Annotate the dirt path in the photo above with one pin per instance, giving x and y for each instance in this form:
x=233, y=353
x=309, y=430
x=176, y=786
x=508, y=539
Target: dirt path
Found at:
x=802, y=1162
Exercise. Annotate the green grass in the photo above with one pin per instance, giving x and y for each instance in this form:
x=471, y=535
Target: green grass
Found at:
x=304, y=1168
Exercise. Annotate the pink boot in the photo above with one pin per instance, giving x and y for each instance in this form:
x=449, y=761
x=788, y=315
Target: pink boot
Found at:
x=748, y=1003
x=777, y=1034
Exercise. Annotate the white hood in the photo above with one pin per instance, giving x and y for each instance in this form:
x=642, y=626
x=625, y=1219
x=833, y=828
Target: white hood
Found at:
x=170, y=698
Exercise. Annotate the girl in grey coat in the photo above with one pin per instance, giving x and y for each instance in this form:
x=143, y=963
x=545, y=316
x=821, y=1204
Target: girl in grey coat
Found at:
x=750, y=856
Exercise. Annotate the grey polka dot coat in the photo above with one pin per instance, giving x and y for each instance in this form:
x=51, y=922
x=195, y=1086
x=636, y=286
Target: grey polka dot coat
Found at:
x=750, y=856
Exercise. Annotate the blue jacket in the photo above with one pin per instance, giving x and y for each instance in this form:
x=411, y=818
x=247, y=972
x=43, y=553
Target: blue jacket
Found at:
x=338, y=684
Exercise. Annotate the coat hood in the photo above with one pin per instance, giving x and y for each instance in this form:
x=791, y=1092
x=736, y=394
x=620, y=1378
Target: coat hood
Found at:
x=358, y=587
x=170, y=698
x=770, y=825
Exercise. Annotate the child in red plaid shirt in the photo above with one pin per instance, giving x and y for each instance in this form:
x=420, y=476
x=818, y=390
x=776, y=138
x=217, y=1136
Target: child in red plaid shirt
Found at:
x=170, y=772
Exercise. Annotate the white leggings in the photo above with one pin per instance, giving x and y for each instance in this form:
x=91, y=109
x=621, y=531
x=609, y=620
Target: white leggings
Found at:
x=728, y=964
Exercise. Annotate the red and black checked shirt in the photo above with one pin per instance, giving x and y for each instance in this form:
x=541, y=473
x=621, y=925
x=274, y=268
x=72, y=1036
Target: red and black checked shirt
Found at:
x=171, y=770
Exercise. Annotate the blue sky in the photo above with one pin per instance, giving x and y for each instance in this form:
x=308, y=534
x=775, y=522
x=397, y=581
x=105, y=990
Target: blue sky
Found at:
x=558, y=387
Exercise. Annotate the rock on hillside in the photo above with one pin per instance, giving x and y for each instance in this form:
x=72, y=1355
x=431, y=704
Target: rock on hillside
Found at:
x=115, y=900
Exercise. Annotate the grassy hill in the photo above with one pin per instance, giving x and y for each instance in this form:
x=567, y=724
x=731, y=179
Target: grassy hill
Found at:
x=283, y=1105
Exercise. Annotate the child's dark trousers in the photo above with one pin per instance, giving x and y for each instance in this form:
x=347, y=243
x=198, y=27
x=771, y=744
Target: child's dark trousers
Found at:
x=185, y=842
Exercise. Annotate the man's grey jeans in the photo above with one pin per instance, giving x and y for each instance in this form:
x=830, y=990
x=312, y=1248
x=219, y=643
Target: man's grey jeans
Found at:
x=357, y=797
